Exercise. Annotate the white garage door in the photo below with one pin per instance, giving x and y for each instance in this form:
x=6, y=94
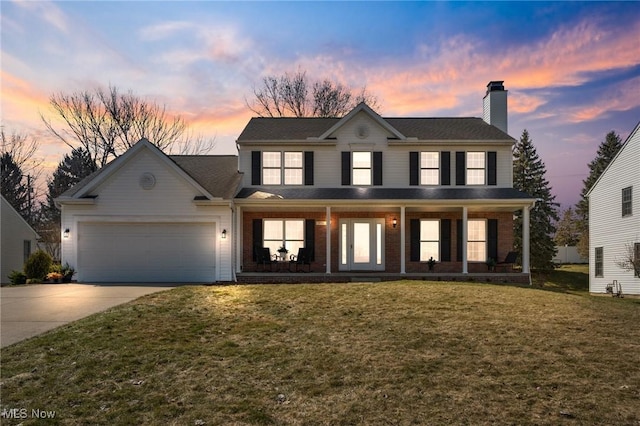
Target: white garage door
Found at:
x=146, y=252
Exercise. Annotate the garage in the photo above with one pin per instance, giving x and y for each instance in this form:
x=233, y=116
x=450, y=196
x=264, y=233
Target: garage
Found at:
x=146, y=252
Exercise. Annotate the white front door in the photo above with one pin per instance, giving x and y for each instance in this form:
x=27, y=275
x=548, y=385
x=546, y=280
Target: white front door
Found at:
x=361, y=244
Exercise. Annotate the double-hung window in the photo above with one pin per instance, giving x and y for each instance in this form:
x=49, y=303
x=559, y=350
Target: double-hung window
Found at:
x=362, y=166
x=477, y=240
x=429, y=168
x=429, y=239
x=282, y=167
x=599, y=261
x=626, y=201
x=476, y=166
x=283, y=232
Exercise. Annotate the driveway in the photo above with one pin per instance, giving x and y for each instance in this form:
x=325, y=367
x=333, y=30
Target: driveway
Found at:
x=26, y=311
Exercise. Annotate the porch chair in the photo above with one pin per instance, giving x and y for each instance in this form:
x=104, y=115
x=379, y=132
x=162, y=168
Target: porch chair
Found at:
x=264, y=258
x=303, y=258
x=508, y=261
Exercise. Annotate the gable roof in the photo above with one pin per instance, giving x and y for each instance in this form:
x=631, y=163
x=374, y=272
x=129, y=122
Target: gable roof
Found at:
x=632, y=136
x=8, y=208
x=362, y=107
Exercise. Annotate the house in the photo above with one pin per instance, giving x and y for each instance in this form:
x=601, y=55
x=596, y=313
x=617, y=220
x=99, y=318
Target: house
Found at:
x=18, y=241
x=361, y=194
x=614, y=220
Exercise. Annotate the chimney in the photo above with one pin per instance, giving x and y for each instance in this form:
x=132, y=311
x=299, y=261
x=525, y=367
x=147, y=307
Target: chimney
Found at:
x=494, y=105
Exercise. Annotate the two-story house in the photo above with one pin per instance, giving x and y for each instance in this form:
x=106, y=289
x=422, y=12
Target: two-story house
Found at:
x=361, y=194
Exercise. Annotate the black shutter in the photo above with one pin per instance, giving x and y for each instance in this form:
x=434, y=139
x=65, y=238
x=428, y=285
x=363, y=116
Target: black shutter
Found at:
x=257, y=236
x=346, y=168
x=377, y=168
x=492, y=241
x=414, y=224
x=445, y=240
x=256, y=167
x=310, y=238
x=459, y=240
x=492, y=164
x=445, y=168
x=308, y=168
x=414, y=168
x=461, y=168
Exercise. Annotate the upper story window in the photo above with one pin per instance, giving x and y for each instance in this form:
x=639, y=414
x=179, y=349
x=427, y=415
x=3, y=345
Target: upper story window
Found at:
x=362, y=167
x=626, y=202
x=429, y=168
x=273, y=172
x=476, y=166
x=429, y=239
x=477, y=240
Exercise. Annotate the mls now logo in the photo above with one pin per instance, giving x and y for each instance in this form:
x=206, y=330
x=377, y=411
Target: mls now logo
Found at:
x=14, y=413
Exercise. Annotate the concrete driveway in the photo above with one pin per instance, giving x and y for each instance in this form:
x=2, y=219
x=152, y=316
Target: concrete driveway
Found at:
x=26, y=311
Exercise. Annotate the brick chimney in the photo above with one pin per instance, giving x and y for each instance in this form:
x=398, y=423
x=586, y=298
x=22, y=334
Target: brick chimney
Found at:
x=494, y=105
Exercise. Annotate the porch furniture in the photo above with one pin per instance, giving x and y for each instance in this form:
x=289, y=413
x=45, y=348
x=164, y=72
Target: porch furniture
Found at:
x=301, y=259
x=264, y=258
x=509, y=261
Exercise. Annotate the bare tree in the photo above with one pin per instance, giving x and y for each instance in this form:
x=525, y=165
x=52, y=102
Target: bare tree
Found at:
x=630, y=261
x=107, y=123
x=294, y=96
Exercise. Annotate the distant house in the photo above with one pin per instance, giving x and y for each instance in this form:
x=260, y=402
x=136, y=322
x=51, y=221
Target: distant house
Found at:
x=360, y=194
x=614, y=220
x=18, y=241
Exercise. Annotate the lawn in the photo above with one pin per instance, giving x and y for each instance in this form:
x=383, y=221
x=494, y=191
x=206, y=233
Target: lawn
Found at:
x=405, y=352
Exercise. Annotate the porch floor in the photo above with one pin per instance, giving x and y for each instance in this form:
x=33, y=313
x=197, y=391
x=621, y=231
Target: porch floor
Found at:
x=344, y=277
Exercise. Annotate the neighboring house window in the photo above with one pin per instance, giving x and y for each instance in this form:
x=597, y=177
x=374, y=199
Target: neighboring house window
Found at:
x=477, y=240
x=26, y=249
x=626, y=202
x=361, y=168
x=273, y=172
x=282, y=232
x=475, y=168
x=429, y=168
x=599, y=262
x=429, y=239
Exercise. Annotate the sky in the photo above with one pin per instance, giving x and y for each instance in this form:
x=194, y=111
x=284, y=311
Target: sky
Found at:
x=572, y=69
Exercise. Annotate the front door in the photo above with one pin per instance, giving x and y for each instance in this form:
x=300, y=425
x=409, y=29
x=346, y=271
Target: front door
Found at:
x=361, y=244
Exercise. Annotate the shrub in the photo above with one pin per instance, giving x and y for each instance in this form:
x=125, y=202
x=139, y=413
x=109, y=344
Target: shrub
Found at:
x=67, y=273
x=18, y=277
x=38, y=265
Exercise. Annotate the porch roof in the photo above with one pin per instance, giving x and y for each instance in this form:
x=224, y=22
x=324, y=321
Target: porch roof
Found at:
x=373, y=193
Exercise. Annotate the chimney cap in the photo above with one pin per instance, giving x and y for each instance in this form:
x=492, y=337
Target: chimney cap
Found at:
x=495, y=86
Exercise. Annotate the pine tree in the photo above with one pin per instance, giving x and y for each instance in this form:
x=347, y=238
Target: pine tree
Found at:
x=567, y=229
x=606, y=152
x=15, y=189
x=529, y=177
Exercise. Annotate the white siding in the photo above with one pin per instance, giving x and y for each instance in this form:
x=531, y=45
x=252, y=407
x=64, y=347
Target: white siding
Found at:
x=14, y=231
x=607, y=228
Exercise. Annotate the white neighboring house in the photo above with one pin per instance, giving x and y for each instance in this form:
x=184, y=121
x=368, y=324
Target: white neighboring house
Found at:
x=150, y=217
x=614, y=220
x=18, y=241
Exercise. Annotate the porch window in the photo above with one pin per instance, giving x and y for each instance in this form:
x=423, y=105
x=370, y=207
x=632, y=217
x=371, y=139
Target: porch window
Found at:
x=429, y=168
x=361, y=168
x=273, y=172
x=477, y=240
x=429, y=239
x=599, y=255
x=476, y=165
x=283, y=232
x=626, y=202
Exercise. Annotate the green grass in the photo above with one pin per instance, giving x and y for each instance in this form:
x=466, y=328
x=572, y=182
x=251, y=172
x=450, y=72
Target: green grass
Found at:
x=386, y=353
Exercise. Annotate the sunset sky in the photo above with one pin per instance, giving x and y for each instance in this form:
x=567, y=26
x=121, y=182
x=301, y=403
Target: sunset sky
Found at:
x=572, y=69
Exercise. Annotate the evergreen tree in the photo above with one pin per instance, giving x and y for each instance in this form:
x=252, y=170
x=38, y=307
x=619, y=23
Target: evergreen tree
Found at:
x=15, y=189
x=529, y=177
x=606, y=151
x=567, y=229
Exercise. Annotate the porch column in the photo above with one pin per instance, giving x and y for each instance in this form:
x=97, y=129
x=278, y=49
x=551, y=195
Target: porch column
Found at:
x=525, y=239
x=465, y=266
x=237, y=238
x=328, y=240
x=402, y=241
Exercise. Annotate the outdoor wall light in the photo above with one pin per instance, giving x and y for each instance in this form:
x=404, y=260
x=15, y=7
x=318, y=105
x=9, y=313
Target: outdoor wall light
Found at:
x=224, y=234
x=66, y=233
x=395, y=222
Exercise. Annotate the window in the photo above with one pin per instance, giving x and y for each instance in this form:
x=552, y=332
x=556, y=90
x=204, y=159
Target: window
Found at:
x=475, y=168
x=599, y=262
x=636, y=258
x=361, y=168
x=429, y=239
x=26, y=250
x=477, y=240
x=429, y=168
x=626, y=202
x=274, y=174
x=282, y=232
